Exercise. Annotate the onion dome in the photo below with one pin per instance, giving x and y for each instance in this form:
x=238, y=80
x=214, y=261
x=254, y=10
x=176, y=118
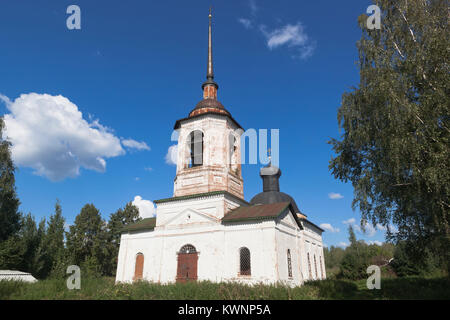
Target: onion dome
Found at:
x=271, y=189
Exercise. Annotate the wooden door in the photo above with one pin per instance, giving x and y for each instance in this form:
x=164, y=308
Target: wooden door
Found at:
x=187, y=267
x=139, y=267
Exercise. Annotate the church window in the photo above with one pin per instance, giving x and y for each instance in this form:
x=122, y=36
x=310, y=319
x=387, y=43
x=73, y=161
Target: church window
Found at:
x=195, y=144
x=309, y=266
x=289, y=263
x=188, y=248
x=321, y=267
x=315, y=267
x=245, y=266
x=233, y=152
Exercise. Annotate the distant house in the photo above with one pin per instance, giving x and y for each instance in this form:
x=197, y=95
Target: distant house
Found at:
x=16, y=275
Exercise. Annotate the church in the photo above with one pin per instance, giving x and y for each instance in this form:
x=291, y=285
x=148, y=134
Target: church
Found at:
x=207, y=230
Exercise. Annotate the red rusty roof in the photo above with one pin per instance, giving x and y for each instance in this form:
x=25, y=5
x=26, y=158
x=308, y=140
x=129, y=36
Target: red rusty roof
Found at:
x=257, y=212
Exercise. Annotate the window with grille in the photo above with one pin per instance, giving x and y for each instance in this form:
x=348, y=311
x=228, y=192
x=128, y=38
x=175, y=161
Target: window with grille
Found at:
x=315, y=267
x=245, y=266
x=309, y=266
x=195, y=143
x=188, y=248
x=289, y=263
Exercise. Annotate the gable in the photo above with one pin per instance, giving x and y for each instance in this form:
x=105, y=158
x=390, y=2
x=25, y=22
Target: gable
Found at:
x=288, y=219
x=190, y=217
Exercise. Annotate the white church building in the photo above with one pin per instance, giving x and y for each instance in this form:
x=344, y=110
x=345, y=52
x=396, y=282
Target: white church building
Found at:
x=207, y=231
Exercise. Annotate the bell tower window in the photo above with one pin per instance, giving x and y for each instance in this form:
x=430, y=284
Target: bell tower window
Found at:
x=195, y=145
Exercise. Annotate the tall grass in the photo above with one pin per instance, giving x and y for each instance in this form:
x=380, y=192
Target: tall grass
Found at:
x=105, y=288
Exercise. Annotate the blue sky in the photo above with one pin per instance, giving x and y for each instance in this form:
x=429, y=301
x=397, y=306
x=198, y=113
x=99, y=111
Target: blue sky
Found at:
x=135, y=67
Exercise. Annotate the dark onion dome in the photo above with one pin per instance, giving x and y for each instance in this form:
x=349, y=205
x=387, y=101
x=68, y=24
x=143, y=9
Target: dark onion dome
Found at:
x=271, y=189
x=209, y=105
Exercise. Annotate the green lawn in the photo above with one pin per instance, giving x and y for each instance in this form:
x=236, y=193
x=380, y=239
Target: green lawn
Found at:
x=104, y=288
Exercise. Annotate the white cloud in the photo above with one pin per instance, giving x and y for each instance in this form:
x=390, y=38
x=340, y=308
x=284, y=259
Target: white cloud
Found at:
x=369, y=230
x=292, y=36
x=329, y=227
x=393, y=228
x=48, y=133
x=146, y=207
x=66, y=227
x=172, y=155
x=133, y=144
x=253, y=7
x=343, y=244
x=247, y=23
x=381, y=227
x=6, y=100
x=378, y=243
x=349, y=221
x=335, y=196
x=149, y=169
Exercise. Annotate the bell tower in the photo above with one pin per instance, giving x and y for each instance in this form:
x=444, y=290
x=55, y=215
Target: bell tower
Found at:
x=209, y=150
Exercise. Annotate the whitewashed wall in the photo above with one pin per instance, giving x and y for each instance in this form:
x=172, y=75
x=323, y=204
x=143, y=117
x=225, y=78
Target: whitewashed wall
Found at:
x=198, y=222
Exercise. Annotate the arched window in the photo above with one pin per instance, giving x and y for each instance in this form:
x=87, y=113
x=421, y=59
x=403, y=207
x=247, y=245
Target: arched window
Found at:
x=321, y=267
x=309, y=266
x=315, y=267
x=188, y=248
x=245, y=265
x=195, y=145
x=233, y=152
x=289, y=263
x=139, y=267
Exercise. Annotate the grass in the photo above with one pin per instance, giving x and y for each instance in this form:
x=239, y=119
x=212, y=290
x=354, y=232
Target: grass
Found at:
x=105, y=289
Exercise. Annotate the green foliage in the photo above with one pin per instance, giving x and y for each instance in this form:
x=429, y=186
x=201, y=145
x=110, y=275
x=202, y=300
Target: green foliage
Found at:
x=105, y=289
x=12, y=252
x=86, y=240
x=395, y=144
x=359, y=255
x=9, y=204
x=351, y=236
x=117, y=221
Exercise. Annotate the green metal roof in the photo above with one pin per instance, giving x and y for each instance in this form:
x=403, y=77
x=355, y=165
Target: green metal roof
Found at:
x=199, y=195
x=144, y=224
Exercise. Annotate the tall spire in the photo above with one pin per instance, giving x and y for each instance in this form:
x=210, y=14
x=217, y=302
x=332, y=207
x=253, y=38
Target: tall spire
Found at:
x=210, y=72
x=210, y=86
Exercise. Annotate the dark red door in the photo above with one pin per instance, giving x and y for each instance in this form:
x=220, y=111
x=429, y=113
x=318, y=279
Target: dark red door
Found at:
x=187, y=267
x=139, y=267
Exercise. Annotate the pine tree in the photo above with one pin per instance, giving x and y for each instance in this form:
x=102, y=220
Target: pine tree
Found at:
x=351, y=236
x=395, y=144
x=86, y=240
x=117, y=221
x=9, y=203
x=54, y=241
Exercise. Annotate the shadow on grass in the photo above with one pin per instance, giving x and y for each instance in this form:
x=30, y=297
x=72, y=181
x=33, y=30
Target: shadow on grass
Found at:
x=411, y=288
x=335, y=289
